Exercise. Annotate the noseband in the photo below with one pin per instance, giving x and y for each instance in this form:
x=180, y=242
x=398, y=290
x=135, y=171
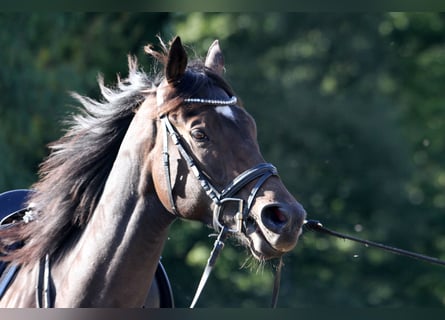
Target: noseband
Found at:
x=261, y=172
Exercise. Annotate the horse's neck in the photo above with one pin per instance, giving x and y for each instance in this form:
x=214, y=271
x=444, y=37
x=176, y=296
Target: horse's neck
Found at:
x=115, y=258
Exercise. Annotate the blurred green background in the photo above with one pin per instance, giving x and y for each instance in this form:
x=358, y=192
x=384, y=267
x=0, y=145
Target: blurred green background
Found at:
x=350, y=107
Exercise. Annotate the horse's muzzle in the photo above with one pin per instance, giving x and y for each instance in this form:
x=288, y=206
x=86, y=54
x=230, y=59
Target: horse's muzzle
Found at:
x=275, y=230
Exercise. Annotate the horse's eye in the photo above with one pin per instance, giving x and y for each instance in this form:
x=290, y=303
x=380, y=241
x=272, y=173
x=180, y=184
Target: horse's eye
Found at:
x=199, y=135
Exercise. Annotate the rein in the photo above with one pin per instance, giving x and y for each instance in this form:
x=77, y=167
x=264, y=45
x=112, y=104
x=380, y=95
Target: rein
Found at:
x=314, y=225
x=260, y=172
x=43, y=287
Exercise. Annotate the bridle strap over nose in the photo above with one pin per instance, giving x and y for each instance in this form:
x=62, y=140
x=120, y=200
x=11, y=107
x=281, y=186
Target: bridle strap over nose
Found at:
x=262, y=172
x=248, y=176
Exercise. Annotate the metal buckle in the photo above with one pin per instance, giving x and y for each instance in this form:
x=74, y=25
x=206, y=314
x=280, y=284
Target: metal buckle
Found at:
x=238, y=217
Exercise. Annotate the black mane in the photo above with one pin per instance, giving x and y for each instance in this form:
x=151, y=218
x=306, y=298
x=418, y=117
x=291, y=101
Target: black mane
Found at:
x=73, y=176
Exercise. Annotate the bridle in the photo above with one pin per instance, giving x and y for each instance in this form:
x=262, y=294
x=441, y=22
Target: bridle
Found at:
x=261, y=172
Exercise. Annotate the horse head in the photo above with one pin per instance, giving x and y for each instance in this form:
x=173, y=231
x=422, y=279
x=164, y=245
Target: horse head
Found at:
x=209, y=166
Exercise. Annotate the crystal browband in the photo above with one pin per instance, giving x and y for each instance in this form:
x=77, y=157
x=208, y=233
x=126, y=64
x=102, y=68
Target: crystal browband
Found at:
x=233, y=100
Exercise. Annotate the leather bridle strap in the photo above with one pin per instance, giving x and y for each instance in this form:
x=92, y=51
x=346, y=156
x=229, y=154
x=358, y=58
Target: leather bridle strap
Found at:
x=247, y=176
x=262, y=172
x=43, y=288
x=211, y=261
x=166, y=163
x=169, y=130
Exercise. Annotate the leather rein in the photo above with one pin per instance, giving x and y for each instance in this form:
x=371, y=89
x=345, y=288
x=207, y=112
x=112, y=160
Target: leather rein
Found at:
x=260, y=172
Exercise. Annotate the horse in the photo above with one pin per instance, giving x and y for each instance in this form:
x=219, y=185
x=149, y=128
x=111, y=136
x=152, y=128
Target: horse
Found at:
x=152, y=149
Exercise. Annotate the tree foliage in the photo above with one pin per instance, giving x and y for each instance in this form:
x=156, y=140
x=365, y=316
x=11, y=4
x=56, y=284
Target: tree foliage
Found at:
x=349, y=107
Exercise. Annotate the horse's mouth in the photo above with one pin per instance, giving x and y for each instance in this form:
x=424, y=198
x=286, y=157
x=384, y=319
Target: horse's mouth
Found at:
x=260, y=247
x=271, y=230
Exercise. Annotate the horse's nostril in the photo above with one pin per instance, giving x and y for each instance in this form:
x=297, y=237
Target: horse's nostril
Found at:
x=275, y=217
x=279, y=215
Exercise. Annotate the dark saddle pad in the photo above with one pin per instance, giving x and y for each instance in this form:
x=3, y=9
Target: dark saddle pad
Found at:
x=13, y=208
x=12, y=204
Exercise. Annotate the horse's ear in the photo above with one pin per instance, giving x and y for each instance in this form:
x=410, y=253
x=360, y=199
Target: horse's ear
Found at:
x=215, y=59
x=176, y=62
